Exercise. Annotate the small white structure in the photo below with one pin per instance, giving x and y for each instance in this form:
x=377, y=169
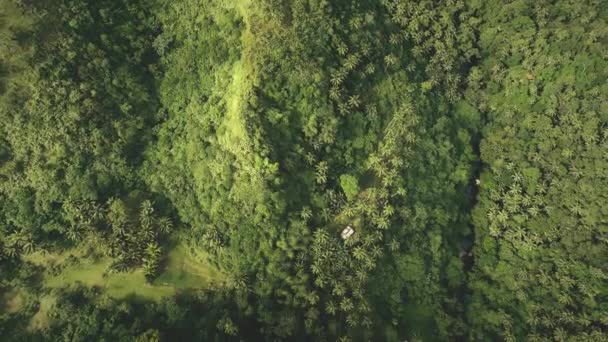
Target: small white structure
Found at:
x=347, y=232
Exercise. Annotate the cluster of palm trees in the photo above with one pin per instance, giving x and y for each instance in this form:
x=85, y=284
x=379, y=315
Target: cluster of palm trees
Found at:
x=341, y=268
x=136, y=242
x=16, y=243
x=437, y=41
x=132, y=233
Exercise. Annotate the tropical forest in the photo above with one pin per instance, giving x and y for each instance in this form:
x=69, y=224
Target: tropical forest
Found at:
x=304, y=170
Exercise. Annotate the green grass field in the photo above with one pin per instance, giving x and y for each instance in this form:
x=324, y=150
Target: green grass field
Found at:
x=181, y=271
x=184, y=270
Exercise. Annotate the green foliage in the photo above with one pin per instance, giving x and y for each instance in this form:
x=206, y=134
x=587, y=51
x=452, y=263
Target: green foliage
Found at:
x=540, y=262
x=76, y=110
x=465, y=142
x=151, y=335
x=349, y=185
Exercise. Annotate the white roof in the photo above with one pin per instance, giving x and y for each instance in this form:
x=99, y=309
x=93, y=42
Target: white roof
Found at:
x=347, y=232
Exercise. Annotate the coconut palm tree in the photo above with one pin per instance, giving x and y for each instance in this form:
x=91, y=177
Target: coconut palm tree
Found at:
x=165, y=225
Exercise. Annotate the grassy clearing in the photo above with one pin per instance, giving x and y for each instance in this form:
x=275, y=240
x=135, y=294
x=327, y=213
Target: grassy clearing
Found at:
x=41, y=319
x=235, y=138
x=122, y=285
x=236, y=134
x=182, y=271
x=48, y=259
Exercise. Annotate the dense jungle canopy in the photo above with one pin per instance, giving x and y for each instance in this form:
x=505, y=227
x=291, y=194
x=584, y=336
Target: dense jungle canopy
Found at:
x=182, y=170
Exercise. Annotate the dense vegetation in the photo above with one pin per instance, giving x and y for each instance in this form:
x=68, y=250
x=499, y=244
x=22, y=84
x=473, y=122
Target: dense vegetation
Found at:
x=182, y=170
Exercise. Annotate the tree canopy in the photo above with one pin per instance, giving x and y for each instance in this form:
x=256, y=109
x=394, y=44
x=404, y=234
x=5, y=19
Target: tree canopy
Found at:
x=182, y=170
